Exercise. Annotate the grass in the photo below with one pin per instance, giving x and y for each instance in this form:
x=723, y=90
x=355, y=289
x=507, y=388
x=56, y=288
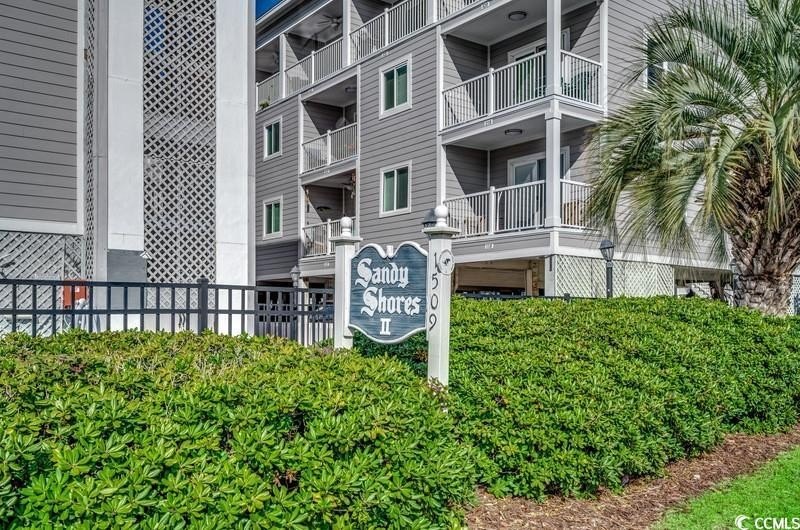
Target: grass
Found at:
x=773, y=492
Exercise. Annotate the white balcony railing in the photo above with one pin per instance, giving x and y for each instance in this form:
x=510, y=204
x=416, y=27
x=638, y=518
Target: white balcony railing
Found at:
x=520, y=82
x=574, y=197
x=517, y=83
x=320, y=64
x=580, y=78
x=449, y=7
x=328, y=60
x=331, y=147
x=515, y=208
x=317, y=237
x=390, y=26
x=269, y=90
x=497, y=210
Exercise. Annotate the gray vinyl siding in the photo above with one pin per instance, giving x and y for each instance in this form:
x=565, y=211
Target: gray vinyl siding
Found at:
x=463, y=60
x=584, y=32
x=627, y=21
x=466, y=170
x=278, y=176
x=363, y=11
x=408, y=136
x=318, y=119
x=38, y=110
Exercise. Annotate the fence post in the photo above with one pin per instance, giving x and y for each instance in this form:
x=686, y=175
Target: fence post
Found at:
x=345, y=250
x=328, y=236
x=328, y=159
x=385, y=27
x=492, y=210
x=202, y=305
x=490, y=95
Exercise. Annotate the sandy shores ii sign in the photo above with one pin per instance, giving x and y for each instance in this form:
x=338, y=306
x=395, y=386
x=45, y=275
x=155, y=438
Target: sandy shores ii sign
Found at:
x=388, y=292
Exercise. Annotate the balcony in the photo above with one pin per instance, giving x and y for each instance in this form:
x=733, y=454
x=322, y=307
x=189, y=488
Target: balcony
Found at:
x=268, y=91
x=317, y=238
x=393, y=24
x=518, y=83
x=320, y=65
x=515, y=209
x=330, y=148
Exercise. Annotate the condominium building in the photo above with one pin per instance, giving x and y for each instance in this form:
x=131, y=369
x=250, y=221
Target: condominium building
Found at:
x=380, y=111
x=125, y=140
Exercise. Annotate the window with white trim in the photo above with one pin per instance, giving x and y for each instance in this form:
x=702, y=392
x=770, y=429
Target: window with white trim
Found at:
x=396, y=87
x=395, y=189
x=272, y=217
x=654, y=72
x=272, y=139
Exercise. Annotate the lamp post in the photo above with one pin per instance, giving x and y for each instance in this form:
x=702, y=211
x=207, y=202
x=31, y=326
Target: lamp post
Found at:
x=734, y=266
x=607, y=250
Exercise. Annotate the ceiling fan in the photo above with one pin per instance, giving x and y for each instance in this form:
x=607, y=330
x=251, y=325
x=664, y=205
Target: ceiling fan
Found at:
x=329, y=24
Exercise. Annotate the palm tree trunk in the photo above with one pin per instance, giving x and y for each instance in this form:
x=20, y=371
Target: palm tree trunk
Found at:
x=765, y=293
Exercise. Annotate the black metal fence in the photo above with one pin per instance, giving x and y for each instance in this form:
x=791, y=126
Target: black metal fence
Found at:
x=46, y=307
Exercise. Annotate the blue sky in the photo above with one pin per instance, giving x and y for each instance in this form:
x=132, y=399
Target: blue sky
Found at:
x=263, y=5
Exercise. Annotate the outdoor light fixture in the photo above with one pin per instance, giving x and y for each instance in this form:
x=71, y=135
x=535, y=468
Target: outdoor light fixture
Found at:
x=516, y=16
x=295, y=274
x=607, y=250
x=734, y=266
x=430, y=219
x=513, y=132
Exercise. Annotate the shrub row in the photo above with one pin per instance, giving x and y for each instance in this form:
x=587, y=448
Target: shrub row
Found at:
x=567, y=398
x=133, y=430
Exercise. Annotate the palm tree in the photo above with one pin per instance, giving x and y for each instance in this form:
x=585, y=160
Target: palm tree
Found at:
x=717, y=132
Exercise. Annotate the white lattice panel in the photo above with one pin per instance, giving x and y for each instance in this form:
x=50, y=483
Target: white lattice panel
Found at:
x=586, y=278
x=794, y=301
x=90, y=52
x=42, y=257
x=180, y=139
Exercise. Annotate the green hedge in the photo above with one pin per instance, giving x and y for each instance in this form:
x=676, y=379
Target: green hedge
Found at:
x=153, y=431
x=566, y=398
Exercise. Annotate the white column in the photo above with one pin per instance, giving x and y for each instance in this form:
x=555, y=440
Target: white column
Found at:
x=550, y=264
x=126, y=126
x=553, y=166
x=603, y=8
x=437, y=318
x=553, y=57
x=346, y=29
x=345, y=250
x=234, y=146
x=282, y=65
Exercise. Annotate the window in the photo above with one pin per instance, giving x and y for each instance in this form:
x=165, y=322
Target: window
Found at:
x=395, y=87
x=272, y=139
x=654, y=72
x=533, y=168
x=395, y=190
x=272, y=217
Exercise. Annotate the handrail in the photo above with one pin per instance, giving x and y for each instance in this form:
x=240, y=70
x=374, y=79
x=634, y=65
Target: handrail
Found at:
x=333, y=146
x=581, y=57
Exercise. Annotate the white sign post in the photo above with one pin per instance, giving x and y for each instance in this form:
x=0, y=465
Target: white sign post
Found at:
x=395, y=297
x=441, y=264
x=345, y=250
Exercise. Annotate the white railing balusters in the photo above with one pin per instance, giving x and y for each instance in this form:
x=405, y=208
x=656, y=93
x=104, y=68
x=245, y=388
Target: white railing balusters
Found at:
x=498, y=210
x=393, y=24
x=268, y=90
x=331, y=147
x=317, y=237
x=449, y=7
x=580, y=78
x=574, y=197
